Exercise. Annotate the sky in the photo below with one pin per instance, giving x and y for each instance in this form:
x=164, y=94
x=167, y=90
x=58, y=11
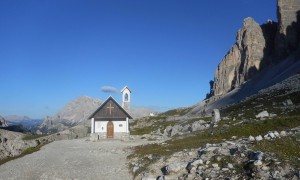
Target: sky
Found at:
x=165, y=51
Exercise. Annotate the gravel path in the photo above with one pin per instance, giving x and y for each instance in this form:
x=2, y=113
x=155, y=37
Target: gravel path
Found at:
x=73, y=159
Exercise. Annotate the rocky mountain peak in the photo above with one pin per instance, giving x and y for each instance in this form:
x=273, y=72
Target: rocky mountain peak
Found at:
x=75, y=112
x=249, y=22
x=258, y=47
x=243, y=60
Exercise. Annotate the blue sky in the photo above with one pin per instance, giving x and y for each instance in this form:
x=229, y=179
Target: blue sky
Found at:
x=166, y=51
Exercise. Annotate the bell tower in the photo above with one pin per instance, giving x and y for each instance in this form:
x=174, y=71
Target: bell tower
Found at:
x=126, y=94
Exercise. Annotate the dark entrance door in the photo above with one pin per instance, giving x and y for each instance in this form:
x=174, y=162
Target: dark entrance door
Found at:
x=110, y=129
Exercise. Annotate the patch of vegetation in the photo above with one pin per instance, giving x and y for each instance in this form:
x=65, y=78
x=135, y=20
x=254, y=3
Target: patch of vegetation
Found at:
x=177, y=112
x=286, y=148
x=33, y=136
x=242, y=124
x=271, y=103
x=215, y=135
x=191, y=121
x=27, y=151
x=153, y=124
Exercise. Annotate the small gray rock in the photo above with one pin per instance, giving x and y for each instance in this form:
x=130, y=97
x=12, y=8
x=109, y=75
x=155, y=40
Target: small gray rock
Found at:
x=262, y=114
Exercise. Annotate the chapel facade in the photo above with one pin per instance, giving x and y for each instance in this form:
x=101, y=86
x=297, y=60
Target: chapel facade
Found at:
x=111, y=120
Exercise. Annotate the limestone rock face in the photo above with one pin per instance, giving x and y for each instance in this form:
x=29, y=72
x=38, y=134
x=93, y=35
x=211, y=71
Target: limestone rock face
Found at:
x=258, y=46
x=243, y=60
x=287, y=37
x=3, y=122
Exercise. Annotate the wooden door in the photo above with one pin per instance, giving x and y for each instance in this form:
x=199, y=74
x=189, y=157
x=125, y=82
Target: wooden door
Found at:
x=110, y=129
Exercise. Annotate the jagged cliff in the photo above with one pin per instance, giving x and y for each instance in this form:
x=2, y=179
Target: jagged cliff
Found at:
x=258, y=47
x=287, y=37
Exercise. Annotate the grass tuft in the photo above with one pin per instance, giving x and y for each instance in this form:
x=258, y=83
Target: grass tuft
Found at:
x=286, y=148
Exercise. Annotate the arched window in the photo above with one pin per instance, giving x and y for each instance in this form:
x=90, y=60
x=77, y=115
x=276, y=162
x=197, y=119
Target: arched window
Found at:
x=126, y=97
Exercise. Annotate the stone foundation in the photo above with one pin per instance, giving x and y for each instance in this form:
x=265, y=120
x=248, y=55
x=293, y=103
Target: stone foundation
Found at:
x=117, y=135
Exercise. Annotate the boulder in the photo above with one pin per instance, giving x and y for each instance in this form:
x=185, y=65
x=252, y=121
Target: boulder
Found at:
x=229, y=165
x=196, y=126
x=282, y=133
x=253, y=156
x=276, y=134
x=258, y=138
x=257, y=163
x=197, y=162
x=216, y=116
x=167, y=131
x=187, y=128
x=175, y=167
x=287, y=102
x=262, y=114
x=175, y=130
x=251, y=138
x=272, y=135
x=152, y=178
x=215, y=165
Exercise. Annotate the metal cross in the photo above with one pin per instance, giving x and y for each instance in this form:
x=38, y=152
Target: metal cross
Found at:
x=110, y=107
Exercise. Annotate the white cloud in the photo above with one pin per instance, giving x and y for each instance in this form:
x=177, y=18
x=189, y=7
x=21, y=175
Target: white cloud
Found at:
x=109, y=89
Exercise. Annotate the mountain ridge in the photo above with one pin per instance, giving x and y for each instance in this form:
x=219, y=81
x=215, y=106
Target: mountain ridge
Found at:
x=262, y=56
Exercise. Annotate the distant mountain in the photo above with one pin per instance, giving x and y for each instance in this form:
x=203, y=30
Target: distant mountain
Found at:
x=74, y=113
x=25, y=121
x=16, y=118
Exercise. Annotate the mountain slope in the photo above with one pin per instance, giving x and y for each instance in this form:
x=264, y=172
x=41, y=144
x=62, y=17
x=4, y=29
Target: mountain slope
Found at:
x=74, y=113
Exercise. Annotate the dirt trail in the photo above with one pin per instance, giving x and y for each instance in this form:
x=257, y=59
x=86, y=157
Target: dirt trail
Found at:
x=73, y=159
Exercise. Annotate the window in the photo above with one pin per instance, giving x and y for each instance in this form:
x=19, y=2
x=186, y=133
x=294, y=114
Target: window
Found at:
x=126, y=97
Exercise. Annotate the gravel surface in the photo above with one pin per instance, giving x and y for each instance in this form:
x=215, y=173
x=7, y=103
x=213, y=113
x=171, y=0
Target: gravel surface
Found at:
x=73, y=159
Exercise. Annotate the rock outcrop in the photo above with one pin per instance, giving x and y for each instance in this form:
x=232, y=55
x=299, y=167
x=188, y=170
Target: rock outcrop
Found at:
x=12, y=144
x=3, y=122
x=244, y=59
x=257, y=47
x=287, y=37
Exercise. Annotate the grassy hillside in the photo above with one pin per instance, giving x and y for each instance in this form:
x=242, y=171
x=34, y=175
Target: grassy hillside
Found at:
x=241, y=123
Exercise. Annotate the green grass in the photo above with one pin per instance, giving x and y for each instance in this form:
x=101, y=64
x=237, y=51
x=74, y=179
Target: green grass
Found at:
x=176, y=112
x=153, y=124
x=244, y=112
x=287, y=148
x=27, y=151
x=218, y=135
x=252, y=107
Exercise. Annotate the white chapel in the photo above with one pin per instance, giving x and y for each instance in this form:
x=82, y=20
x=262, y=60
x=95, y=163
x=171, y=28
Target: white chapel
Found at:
x=111, y=120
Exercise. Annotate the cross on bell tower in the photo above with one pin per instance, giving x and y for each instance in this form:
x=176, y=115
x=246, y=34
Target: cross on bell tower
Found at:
x=126, y=94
